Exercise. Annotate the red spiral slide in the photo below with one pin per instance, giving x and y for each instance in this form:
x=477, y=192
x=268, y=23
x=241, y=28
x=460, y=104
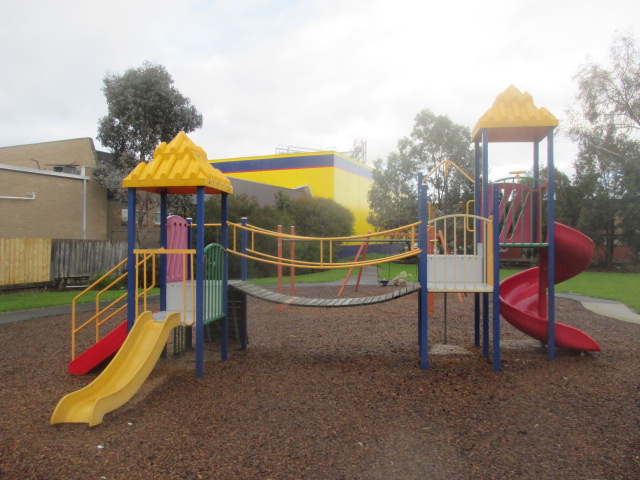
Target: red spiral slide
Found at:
x=523, y=296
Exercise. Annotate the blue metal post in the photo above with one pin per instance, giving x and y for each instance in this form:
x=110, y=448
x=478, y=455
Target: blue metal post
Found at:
x=163, y=244
x=551, y=303
x=535, y=218
x=244, y=268
x=423, y=216
x=188, y=331
x=131, y=258
x=485, y=213
x=476, y=211
x=496, y=282
x=244, y=275
x=224, y=241
x=199, y=307
x=189, y=233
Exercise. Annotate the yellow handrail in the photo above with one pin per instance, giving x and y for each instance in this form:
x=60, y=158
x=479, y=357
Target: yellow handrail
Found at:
x=74, y=330
x=446, y=164
x=285, y=262
x=351, y=238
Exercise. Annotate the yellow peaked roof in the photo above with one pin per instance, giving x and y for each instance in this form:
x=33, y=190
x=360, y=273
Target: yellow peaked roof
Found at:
x=179, y=167
x=514, y=118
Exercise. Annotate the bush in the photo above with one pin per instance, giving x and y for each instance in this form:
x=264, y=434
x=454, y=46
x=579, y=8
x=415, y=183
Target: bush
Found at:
x=108, y=280
x=319, y=217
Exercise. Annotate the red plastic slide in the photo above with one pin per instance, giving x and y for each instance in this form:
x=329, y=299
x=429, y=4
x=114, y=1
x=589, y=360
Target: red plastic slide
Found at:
x=523, y=297
x=106, y=348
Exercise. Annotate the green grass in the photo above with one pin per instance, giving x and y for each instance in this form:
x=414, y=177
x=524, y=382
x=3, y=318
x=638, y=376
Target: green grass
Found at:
x=315, y=277
x=10, y=302
x=620, y=287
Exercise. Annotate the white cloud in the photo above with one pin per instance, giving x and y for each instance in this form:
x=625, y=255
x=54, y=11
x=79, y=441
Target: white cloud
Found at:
x=312, y=73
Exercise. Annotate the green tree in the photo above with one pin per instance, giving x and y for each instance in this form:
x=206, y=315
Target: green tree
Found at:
x=266, y=217
x=607, y=182
x=312, y=216
x=144, y=110
x=567, y=198
x=321, y=217
x=605, y=122
x=434, y=138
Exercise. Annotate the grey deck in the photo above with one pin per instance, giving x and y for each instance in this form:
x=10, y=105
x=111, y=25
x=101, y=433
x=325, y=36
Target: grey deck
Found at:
x=273, y=297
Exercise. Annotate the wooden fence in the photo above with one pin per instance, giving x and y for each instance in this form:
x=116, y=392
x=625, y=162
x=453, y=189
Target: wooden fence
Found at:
x=43, y=260
x=25, y=260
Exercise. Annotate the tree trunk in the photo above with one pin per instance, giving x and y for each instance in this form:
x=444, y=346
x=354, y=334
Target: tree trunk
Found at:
x=609, y=243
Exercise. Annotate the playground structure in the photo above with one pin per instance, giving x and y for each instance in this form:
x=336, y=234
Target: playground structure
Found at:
x=194, y=284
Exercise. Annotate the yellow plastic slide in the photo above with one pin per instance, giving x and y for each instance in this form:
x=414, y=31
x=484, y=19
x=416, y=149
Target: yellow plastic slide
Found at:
x=124, y=375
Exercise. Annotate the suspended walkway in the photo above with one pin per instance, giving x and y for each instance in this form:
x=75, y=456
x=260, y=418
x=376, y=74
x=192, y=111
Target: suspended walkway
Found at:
x=274, y=297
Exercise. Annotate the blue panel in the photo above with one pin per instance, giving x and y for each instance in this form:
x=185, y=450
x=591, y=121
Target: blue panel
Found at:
x=292, y=163
x=131, y=258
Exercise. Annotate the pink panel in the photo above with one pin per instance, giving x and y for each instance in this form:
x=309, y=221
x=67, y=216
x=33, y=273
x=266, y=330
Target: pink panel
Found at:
x=515, y=212
x=177, y=234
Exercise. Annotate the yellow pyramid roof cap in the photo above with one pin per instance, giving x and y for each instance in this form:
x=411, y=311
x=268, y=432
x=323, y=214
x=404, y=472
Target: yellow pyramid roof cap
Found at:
x=514, y=118
x=179, y=167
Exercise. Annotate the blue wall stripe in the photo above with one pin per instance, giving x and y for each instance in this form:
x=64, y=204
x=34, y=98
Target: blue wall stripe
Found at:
x=291, y=163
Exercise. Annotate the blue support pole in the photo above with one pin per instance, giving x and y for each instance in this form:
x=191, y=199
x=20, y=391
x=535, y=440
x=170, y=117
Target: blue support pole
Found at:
x=131, y=258
x=224, y=241
x=535, y=218
x=423, y=215
x=189, y=233
x=244, y=267
x=163, y=244
x=188, y=331
x=485, y=213
x=199, y=307
x=244, y=275
x=496, y=282
x=476, y=211
x=551, y=302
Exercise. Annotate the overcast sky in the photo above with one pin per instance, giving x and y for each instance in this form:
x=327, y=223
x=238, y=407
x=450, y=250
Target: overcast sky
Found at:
x=308, y=73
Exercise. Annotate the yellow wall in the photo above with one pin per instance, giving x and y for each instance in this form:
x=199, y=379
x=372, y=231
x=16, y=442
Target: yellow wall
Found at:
x=327, y=174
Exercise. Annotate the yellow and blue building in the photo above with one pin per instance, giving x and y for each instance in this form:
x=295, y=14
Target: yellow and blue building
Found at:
x=326, y=174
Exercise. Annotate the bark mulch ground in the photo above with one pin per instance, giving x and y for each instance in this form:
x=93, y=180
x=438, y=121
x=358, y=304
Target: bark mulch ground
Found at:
x=337, y=394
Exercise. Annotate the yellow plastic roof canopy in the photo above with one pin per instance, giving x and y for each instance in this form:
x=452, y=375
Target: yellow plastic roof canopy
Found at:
x=179, y=167
x=514, y=118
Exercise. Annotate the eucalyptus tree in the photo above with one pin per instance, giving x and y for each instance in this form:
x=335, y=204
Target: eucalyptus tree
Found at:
x=605, y=122
x=144, y=110
x=434, y=138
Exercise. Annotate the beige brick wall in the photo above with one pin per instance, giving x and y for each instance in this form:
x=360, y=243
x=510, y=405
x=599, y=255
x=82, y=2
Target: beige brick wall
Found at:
x=44, y=155
x=56, y=211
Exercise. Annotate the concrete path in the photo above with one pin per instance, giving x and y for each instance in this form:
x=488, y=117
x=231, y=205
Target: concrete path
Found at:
x=606, y=308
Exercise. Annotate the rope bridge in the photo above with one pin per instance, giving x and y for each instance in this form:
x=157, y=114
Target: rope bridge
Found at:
x=273, y=297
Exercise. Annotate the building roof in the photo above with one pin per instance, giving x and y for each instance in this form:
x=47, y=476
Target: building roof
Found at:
x=179, y=167
x=514, y=118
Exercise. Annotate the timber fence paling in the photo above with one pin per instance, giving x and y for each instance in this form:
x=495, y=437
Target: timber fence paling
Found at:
x=83, y=258
x=24, y=260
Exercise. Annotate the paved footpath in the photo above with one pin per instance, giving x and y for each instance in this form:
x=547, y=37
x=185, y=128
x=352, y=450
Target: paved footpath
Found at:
x=606, y=308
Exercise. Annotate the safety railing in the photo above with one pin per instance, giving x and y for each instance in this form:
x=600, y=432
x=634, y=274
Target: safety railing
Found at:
x=145, y=280
x=522, y=211
x=213, y=288
x=327, y=246
x=459, y=260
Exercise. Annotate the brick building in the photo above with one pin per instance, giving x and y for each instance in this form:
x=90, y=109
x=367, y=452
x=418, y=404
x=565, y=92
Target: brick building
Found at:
x=47, y=190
